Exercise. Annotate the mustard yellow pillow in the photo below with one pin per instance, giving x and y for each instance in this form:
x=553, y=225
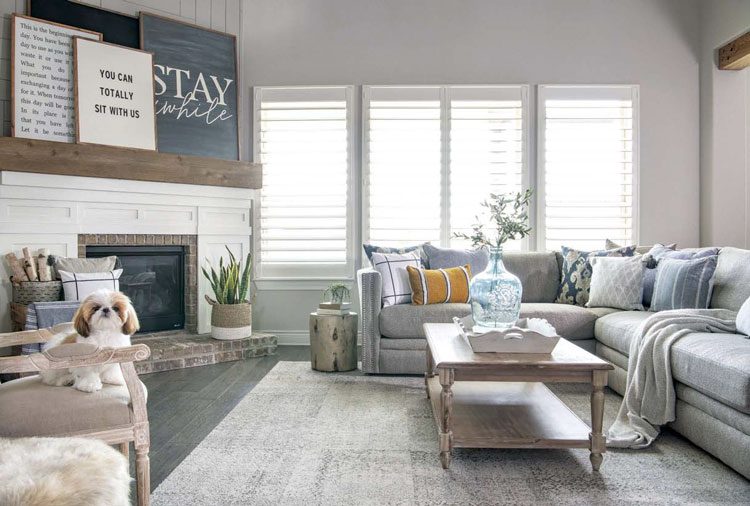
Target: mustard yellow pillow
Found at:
x=440, y=285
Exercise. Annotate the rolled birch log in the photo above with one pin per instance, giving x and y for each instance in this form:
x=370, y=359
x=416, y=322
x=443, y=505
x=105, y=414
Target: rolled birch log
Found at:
x=17, y=268
x=45, y=273
x=29, y=265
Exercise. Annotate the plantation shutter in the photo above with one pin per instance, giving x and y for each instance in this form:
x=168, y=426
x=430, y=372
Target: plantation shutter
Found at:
x=402, y=165
x=587, y=165
x=486, y=151
x=302, y=140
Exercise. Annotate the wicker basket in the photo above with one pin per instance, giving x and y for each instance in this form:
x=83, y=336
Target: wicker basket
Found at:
x=231, y=321
x=37, y=291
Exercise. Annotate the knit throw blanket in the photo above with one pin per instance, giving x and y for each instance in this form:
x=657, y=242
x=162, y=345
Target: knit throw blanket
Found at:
x=649, y=400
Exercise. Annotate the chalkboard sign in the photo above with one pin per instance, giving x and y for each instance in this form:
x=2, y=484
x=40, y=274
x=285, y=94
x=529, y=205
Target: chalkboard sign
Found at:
x=42, y=79
x=117, y=28
x=195, y=73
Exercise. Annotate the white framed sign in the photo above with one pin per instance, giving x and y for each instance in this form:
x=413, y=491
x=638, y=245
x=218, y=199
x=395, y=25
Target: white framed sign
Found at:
x=42, y=91
x=114, y=95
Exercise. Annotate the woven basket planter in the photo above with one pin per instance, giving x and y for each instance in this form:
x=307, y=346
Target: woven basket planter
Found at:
x=37, y=291
x=231, y=321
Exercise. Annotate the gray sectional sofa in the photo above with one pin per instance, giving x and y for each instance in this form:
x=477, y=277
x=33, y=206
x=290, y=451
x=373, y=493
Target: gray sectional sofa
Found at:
x=712, y=371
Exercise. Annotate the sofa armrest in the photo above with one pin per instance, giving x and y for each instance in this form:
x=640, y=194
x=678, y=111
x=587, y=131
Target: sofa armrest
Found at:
x=370, y=285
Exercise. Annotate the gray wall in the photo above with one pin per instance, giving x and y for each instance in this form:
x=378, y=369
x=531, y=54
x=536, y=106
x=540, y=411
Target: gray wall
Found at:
x=653, y=43
x=725, y=129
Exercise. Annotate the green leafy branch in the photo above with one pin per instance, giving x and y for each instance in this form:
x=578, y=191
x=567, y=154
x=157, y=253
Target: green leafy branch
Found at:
x=337, y=293
x=509, y=215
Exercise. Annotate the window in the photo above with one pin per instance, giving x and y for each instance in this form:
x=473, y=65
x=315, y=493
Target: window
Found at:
x=433, y=153
x=587, y=165
x=303, y=141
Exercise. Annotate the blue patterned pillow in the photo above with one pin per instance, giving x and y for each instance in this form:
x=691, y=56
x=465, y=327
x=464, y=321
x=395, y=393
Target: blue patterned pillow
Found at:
x=684, y=284
x=575, y=281
x=418, y=249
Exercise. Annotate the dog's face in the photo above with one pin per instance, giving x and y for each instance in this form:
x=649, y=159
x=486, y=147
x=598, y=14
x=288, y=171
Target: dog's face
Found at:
x=106, y=311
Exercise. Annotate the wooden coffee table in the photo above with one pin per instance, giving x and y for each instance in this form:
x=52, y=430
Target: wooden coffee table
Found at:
x=499, y=400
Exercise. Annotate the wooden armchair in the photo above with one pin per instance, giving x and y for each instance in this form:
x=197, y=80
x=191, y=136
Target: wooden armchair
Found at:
x=115, y=414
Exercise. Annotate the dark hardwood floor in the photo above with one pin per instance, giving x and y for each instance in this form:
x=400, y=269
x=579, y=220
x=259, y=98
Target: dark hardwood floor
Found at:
x=186, y=404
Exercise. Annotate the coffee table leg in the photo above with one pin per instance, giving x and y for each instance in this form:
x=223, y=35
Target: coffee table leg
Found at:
x=446, y=409
x=430, y=371
x=598, y=441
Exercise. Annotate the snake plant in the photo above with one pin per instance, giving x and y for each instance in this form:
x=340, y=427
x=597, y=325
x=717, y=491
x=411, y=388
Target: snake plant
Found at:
x=231, y=282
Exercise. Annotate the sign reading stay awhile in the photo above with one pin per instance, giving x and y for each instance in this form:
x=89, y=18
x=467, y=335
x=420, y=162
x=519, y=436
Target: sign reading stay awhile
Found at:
x=195, y=87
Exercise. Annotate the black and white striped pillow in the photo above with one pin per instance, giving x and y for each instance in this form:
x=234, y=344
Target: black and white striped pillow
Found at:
x=79, y=285
x=392, y=268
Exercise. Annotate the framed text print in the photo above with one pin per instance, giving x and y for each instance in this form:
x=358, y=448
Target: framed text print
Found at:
x=114, y=95
x=195, y=70
x=42, y=75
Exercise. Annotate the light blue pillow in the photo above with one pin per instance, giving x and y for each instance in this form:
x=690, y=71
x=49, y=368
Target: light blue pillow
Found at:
x=683, y=284
x=445, y=258
x=659, y=252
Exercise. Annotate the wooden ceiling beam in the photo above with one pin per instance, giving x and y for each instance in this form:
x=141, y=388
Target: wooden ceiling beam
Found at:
x=736, y=54
x=90, y=160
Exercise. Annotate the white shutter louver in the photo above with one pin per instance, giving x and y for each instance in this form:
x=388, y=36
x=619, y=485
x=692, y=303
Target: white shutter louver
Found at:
x=486, y=151
x=587, y=165
x=302, y=140
x=402, y=165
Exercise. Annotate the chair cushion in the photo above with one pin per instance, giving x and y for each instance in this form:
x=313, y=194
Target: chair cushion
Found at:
x=571, y=322
x=31, y=408
x=405, y=320
x=616, y=330
x=539, y=274
x=717, y=365
x=731, y=279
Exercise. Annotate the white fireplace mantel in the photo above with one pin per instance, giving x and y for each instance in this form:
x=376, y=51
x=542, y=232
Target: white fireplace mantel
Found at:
x=49, y=211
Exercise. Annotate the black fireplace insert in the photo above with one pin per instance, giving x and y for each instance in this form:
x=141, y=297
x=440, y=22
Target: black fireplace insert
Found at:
x=154, y=279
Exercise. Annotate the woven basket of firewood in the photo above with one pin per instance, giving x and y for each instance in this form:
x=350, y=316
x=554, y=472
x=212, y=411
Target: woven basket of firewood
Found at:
x=27, y=292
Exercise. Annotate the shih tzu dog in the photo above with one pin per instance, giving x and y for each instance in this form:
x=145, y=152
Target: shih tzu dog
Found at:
x=106, y=319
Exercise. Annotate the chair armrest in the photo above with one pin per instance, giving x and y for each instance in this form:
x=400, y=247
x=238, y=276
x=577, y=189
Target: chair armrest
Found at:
x=68, y=356
x=370, y=286
x=34, y=336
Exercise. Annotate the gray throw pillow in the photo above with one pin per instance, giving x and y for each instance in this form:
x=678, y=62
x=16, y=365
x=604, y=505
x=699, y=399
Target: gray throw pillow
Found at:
x=684, y=284
x=659, y=252
x=743, y=318
x=445, y=258
x=85, y=265
x=617, y=282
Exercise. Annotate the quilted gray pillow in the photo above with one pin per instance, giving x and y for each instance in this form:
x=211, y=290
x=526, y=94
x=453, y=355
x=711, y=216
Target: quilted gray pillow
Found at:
x=617, y=282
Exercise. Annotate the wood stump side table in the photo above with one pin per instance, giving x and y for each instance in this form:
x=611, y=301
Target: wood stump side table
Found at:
x=333, y=342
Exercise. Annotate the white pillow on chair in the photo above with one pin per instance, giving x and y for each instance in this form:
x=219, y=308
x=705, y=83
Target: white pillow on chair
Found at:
x=392, y=269
x=78, y=286
x=743, y=318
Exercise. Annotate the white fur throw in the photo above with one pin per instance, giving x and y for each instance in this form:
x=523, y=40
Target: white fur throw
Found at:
x=62, y=472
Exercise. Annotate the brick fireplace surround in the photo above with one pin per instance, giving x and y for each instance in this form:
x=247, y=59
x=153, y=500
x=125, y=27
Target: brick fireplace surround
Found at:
x=190, y=242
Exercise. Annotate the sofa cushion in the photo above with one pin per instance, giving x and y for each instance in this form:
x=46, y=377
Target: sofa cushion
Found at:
x=539, y=274
x=617, y=329
x=717, y=365
x=406, y=320
x=731, y=279
x=445, y=258
x=571, y=322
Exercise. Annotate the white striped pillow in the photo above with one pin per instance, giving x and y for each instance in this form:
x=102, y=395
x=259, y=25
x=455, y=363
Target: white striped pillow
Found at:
x=392, y=268
x=79, y=285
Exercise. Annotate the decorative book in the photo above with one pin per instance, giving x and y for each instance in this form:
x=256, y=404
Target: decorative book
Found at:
x=527, y=335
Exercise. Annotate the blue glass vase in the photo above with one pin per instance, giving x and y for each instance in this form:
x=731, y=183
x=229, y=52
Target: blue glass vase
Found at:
x=495, y=295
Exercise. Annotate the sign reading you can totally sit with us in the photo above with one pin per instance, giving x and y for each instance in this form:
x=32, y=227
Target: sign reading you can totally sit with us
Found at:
x=114, y=95
x=195, y=72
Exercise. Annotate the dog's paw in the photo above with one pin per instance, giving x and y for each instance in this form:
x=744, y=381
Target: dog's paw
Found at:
x=113, y=378
x=88, y=384
x=64, y=381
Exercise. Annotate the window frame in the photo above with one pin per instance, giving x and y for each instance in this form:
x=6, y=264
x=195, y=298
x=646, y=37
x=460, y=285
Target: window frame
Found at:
x=586, y=91
x=445, y=95
x=310, y=276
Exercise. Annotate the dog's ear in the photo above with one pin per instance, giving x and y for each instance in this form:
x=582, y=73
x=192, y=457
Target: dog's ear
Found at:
x=131, y=324
x=81, y=322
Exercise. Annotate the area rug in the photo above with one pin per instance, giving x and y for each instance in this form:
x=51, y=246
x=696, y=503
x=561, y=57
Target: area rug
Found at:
x=303, y=437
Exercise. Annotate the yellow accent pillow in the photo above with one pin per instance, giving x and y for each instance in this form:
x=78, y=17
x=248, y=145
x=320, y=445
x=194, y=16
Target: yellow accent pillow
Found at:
x=440, y=285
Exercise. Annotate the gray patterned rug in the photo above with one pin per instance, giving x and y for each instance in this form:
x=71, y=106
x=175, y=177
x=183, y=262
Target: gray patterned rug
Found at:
x=302, y=437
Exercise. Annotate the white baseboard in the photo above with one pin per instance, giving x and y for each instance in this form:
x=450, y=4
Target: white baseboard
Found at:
x=296, y=337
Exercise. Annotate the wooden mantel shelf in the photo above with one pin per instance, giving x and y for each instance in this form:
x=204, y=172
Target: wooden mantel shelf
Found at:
x=25, y=155
x=736, y=54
